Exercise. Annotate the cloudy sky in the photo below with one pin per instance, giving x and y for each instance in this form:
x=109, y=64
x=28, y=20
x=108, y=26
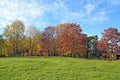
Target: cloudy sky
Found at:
x=93, y=15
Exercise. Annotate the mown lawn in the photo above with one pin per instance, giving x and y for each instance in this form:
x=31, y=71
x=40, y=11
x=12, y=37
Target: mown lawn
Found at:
x=58, y=68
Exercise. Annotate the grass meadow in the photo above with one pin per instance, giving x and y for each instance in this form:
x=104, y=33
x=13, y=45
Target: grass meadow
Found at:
x=58, y=68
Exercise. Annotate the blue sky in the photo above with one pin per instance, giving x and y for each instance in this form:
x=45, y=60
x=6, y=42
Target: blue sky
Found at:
x=93, y=15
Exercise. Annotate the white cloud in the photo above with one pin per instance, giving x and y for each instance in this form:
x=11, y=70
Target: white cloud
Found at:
x=89, y=16
x=11, y=10
x=89, y=8
x=33, y=13
x=99, y=17
x=115, y=2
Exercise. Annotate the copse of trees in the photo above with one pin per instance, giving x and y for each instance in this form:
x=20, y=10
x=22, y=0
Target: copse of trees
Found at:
x=62, y=40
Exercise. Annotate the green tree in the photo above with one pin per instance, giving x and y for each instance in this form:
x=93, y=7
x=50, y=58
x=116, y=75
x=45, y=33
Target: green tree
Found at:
x=92, y=45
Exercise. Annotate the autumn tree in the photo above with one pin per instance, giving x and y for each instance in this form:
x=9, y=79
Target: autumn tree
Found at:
x=102, y=45
x=72, y=40
x=118, y=42
x=58, y=30
x=110, y=40
x=14, y=33
x=33, y=38
x=47, y=41
x=2, y=45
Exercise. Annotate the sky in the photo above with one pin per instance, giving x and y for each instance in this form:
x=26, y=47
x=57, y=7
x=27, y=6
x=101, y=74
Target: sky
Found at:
x=93, y=15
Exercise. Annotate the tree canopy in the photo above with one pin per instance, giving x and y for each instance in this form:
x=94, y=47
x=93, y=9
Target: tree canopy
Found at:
x=61, y=40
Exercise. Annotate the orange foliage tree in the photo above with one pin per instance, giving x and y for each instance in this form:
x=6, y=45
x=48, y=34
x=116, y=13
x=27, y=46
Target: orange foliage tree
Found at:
x=110, y=41
x=72, y=40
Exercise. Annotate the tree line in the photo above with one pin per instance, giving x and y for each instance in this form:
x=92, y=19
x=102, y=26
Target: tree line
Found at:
x=62, y=40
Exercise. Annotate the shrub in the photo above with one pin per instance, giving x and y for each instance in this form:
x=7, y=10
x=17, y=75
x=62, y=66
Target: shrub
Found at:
x=67, y=54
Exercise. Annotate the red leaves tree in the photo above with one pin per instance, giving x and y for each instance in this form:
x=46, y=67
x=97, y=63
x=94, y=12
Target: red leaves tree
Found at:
x=110, y=40
x=101, y=45
x=72, y=40
x=47, y=38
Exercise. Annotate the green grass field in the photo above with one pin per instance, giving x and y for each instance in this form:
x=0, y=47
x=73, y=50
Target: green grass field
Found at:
x=58, y=68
